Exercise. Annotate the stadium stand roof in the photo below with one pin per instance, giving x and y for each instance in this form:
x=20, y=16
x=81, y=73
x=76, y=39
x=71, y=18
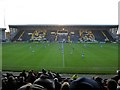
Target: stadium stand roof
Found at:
x=3, y=29
x=68, y=27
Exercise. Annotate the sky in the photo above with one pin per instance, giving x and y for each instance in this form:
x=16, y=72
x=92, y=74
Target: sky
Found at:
x=81, y=12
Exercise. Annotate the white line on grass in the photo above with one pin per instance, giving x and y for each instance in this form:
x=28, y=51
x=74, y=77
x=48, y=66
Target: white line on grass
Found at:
x=63, y=54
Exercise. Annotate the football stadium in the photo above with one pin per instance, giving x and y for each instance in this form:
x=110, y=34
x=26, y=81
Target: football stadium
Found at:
x=59, y=45
x=61, y=48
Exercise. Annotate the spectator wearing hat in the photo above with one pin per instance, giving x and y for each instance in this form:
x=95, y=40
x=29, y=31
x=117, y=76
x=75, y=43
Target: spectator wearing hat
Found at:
x=84, y=84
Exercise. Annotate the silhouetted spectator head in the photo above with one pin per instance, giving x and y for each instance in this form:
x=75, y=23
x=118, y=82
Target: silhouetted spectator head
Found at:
x=9, y=74
x=98, y=79
x=65, y=86
x=50, y=75
x=11, y=79
x=44, y=76
x=11, y=84
x=21, y=79
x=4, y=83
x=84, y=84
x=30, y=86
x=45, y=82
x=57, y=75
x=111, y=84
x=31, y=77
x=118, y=73
x=117, y=77
x=119, y=82
x=56, y=80
x=66, y=80
x=57, y=84
x=44, y=71
x=105, y=82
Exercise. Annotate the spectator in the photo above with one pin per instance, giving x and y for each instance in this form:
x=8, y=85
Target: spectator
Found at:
x=11, y=84
x=117, y=77
x=30, y=86
x=74, y=77
x=45, y=82
x=99, y=81
x=44, y=72
x=57, y=84
x=118, y=87
x=84, y=84
x=111, y=84
x=20, y=81
x=57, y=75
x=31, y=77
x=53, y=81
x=119, y=82
x=4, y=83
x=65, y=86
x=23, y=74
x=50, y=75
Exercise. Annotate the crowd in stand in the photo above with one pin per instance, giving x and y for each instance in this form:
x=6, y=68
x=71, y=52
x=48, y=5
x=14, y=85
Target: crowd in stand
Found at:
x=87, y=36
x=47, y=80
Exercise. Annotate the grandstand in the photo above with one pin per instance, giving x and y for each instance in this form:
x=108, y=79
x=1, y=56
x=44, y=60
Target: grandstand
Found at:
x=2, y=34
x=68, y=33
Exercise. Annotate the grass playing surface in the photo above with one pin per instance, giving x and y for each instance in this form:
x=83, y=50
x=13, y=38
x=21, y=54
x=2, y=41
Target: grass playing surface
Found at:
x=61, y=57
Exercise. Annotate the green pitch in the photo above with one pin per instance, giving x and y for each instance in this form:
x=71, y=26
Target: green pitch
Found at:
x=61, y=57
